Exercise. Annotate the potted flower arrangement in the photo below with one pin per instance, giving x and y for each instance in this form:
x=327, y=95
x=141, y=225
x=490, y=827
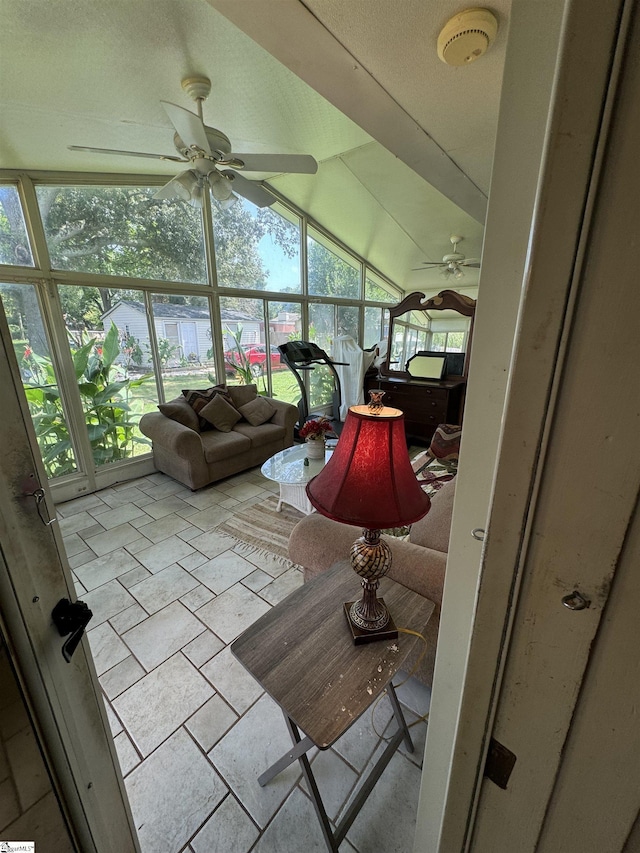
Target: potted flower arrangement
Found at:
x=314, y=433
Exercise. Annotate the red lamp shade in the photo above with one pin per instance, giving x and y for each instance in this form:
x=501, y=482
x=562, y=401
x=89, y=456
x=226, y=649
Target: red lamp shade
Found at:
x=368, y=481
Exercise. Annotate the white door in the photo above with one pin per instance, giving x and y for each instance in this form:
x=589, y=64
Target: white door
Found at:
x=65, y=697
x=565, y=488
x=189, y=339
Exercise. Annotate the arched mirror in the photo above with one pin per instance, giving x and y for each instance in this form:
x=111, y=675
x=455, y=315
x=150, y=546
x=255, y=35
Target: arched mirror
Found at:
x=430, y=339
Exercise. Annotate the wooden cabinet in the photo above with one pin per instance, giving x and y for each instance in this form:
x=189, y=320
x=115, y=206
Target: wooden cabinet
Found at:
x=425, y=403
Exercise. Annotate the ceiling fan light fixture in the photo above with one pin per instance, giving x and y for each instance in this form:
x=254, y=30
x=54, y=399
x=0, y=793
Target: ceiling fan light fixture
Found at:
x=197, y=195
x=185, y=184
x=467, y=36
x=220, y=186
x=229, y=202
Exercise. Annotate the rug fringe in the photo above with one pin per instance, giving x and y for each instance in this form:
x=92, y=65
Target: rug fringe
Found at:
x=246, y=550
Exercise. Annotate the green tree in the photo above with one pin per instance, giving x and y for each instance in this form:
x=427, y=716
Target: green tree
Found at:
x=121, y=231
x=329, y=275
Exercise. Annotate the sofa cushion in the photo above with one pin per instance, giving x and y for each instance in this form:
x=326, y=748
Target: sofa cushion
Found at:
x=260, y=435
x=199, y=399
x=258, y=411
x=221, y=414
x=179, y=410
x=220, y=446
x=434, y=529
x=241, y=394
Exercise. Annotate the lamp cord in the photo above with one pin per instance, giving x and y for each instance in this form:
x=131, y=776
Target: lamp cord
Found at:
x=414, y=669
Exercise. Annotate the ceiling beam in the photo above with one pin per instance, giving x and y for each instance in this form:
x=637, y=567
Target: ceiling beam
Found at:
x=291, y=34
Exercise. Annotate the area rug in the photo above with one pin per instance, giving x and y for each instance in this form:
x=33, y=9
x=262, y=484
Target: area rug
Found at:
x=261, y=527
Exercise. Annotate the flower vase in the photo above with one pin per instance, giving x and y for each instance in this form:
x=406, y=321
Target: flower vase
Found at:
x=315, y=448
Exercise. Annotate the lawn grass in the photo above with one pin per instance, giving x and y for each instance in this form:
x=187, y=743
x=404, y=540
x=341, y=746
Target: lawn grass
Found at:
x=144, y=398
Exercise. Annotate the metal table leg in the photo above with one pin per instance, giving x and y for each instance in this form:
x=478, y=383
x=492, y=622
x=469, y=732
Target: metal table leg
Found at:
x=325, y=825
x=397, y=713
x=302, y=745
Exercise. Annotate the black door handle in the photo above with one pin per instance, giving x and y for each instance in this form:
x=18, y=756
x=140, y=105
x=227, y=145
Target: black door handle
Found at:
x=70, y=618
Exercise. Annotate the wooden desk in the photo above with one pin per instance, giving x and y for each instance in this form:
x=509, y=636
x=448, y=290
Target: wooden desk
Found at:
x=302, y=654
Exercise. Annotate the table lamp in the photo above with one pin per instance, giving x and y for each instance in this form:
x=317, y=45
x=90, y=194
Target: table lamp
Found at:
x=369, y=482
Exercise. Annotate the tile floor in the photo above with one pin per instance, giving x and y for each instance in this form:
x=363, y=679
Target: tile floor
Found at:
x=192, y=729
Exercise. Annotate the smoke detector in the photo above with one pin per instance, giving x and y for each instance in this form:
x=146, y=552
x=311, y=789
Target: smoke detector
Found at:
x=467, y=36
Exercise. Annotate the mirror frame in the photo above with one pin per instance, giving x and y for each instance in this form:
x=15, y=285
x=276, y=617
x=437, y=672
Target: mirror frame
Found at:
x=446, y=300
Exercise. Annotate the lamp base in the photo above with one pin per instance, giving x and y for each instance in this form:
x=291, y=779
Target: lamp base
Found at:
x=367, y=635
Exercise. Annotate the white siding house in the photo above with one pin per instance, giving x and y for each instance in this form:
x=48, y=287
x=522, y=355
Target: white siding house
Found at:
x=186, y=328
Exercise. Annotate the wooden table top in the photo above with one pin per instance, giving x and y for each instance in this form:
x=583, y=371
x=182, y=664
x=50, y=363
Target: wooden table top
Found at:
x=302, y=654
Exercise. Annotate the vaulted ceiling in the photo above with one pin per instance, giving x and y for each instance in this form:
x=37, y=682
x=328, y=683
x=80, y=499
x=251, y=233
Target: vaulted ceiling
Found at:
x=404, y=142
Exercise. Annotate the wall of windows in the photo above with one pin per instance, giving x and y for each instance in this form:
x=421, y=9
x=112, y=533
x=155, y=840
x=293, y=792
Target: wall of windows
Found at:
x=117, y=301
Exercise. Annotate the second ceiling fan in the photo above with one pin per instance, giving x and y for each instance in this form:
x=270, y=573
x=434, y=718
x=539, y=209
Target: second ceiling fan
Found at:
x=212, y=164
x=452, y=265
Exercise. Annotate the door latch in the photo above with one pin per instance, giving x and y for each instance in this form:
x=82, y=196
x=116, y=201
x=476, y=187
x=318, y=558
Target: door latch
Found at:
x=500, y=762
x=70, y=618
x=575, y=601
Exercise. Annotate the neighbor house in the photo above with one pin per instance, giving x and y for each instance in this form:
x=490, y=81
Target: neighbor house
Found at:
x=185, y=329
x=535, y=658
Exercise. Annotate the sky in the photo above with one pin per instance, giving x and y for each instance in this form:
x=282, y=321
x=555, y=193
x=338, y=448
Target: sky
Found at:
x=283, y=272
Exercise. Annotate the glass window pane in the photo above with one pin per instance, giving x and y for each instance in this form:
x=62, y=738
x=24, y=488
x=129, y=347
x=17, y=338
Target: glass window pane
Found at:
x=376, y=289
x=122, y=231
x=376, y=325
x=331, y=271
x=438, y=341
x=396, y=355
x=285, y=324
x=39, y=378
x=322, y=325
x=184, y=339
x=244, y=341
x=14, y=243
x=108, y=339
x=257, y=248
x=455, y=341
x=322, y=332
x=348, y=321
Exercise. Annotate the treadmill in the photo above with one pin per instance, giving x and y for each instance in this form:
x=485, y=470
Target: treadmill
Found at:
x=304, y=355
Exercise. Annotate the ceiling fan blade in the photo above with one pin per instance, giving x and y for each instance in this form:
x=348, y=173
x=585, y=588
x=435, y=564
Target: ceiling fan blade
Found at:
x=429, y=265
x=188, y=125
x=303, y=164
x=470, y=262
x=251, y=190
x=126, y=153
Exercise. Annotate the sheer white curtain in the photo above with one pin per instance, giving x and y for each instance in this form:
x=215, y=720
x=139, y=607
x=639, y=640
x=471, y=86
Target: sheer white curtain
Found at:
x=351, y=375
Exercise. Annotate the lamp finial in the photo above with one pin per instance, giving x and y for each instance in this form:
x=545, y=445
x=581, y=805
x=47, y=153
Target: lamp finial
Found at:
x=375, y=402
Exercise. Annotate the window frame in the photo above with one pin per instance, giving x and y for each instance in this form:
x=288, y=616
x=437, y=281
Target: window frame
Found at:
x=47, y=281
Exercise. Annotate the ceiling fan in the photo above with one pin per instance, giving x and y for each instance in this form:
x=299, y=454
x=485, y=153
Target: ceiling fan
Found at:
x=452, y=265
x=211, y=163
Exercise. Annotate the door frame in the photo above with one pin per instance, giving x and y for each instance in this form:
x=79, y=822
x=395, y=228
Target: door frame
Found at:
x=64, y=698
x=580, y=100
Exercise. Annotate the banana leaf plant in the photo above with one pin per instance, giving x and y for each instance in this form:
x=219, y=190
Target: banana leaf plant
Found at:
x=237, y=358
x=110, y=420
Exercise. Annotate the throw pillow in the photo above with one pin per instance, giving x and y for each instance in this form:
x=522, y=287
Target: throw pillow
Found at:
x=220, y=413
x=258, y=411
x=241, y=394
x=179, y=410
x=199, y=399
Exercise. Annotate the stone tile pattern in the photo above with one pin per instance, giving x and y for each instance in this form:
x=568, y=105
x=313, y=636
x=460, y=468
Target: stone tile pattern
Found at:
x=192, y=729
x=28, y=807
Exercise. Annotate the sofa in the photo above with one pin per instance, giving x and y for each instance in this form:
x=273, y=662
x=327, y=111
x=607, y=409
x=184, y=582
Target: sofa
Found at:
x=205, y=436
x=418, y=562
